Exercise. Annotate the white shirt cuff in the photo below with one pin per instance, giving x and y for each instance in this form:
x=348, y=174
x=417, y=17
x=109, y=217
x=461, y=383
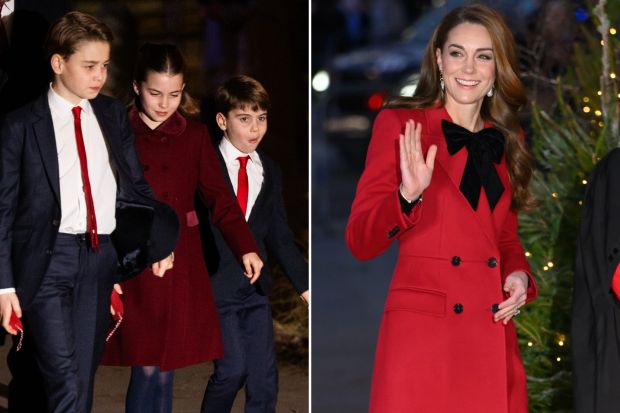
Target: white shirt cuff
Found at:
x=6, y=290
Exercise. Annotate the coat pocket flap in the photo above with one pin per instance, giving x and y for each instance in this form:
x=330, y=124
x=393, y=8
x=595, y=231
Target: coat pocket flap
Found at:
x=418, y=300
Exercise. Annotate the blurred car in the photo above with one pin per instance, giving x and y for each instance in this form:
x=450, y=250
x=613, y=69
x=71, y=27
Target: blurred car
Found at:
x=349, y=92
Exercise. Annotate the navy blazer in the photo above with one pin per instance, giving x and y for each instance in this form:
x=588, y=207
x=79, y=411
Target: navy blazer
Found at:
x=269, y=226
x=30, y=209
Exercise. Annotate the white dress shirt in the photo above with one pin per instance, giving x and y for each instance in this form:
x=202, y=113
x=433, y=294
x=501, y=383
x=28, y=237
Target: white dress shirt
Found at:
x=102, y=181
x=6, y=14
x=254, y=169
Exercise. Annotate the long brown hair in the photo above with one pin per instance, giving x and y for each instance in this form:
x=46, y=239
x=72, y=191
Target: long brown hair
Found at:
x=164, y=58
x=501, y=109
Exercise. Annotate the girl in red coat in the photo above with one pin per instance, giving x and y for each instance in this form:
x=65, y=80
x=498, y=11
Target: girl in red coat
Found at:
x=446, y=173
x=171, y=322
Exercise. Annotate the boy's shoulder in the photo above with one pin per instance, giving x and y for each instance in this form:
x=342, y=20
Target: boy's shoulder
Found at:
x=268, y=162
x=105, y=102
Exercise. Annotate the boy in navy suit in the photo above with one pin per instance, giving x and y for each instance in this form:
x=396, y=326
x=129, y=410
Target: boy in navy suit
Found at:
x=68, y=173
x=244, y=310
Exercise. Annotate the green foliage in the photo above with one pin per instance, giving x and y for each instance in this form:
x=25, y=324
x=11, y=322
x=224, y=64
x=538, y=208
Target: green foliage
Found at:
x=566, y=143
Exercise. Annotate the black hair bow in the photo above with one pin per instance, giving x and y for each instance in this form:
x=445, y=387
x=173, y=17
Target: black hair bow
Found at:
x=483, y=149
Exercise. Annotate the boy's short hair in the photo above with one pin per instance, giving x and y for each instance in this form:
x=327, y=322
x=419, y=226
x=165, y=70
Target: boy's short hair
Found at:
x=241, y=92
x=71, y=29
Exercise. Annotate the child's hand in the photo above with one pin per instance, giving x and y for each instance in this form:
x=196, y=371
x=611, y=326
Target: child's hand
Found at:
x=252, y=264
x=159, y=268
x=306, y=296
x=9, y=303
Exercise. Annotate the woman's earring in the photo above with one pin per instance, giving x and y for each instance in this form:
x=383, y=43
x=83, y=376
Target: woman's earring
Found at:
x=490, y=92
x=441, y=82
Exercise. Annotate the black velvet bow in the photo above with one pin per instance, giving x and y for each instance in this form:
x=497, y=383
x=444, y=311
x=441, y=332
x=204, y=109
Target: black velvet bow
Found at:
x=483, y=149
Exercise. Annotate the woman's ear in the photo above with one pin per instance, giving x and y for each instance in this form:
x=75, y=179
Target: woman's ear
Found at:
x=438, y=58
x=136, y=89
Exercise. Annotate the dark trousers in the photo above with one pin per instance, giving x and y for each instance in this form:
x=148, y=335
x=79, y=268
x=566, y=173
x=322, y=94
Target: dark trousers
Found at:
x=249, y=356
x=68, y=320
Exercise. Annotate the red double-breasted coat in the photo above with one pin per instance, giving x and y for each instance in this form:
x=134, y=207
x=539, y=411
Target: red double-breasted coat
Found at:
x=172, y=321
x=439, y=349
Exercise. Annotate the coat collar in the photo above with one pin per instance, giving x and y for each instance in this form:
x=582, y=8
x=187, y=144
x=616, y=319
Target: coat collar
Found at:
x=173, y=126
x=454, y=165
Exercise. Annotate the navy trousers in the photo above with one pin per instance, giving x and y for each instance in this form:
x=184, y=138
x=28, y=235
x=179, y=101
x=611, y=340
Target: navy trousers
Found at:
x=249, y=356
x=68, y=320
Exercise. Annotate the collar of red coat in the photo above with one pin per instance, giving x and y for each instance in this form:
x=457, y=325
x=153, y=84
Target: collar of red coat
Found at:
x=436, y=114
x=173, y=126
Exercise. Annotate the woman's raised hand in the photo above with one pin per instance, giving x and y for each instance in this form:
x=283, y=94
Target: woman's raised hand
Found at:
x=416, y=172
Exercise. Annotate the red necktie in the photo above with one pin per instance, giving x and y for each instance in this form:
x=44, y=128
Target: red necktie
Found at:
x=615, y=282
x=242, y=183
x=90, y=206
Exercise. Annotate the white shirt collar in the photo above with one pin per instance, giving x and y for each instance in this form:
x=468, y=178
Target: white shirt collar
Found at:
x=8, y=8
x=60, y=105
x=231, y=153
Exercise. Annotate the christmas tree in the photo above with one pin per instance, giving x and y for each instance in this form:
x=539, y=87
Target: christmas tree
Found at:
x=566, y=142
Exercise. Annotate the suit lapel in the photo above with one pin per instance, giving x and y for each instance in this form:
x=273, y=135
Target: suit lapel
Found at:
x=46, y=141
x=115, y=149
x=262, y=195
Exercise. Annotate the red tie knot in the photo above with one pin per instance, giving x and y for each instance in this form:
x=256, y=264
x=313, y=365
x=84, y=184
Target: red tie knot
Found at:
x=243, y=161
x=76, y=112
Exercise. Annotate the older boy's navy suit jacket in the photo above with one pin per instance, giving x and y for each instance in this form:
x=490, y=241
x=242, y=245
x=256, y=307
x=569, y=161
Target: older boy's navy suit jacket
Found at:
x=30, y=209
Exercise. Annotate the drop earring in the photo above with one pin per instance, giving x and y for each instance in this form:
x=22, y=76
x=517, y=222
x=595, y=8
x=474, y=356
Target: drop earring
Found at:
x=442, y=84
x=490, y=92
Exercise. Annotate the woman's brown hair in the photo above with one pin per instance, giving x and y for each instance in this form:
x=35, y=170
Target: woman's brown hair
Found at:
x=164, y=58
x=501, y=109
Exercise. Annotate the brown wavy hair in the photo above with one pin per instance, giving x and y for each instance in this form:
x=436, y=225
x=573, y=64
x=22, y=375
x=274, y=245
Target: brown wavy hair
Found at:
x=501, y=109
x=164, y=58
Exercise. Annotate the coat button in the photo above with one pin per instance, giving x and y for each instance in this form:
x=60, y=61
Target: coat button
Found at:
x=492, y=262
x=55, y=222
x=458, y=308
x=615, y=250
x=49, y=251
x=456, y=260
x=164, y=168
x=494, y=308
x=164, y=139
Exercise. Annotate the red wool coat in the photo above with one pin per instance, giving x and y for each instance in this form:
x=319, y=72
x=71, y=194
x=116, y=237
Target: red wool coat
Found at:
x=439, y=349
x=172, y=321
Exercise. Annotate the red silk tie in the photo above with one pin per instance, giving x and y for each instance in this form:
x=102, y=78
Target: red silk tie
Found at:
x=90, y=205
x=242, y=183
x=615, y=282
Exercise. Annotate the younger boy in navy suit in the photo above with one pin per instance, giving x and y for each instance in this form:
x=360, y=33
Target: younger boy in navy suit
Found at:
x=244, y=310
